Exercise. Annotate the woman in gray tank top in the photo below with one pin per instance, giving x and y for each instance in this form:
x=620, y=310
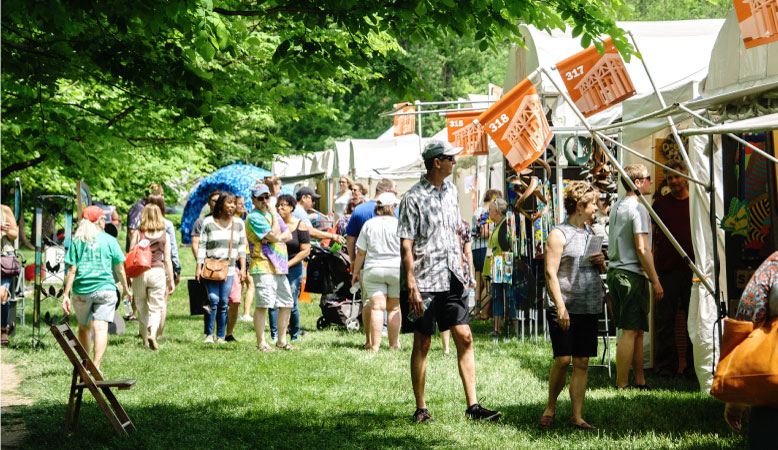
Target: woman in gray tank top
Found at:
x=575, y=303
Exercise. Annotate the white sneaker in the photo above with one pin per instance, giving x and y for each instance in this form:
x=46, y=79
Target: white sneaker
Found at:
x=208, y=339
x=221, y=341
x=246, y=318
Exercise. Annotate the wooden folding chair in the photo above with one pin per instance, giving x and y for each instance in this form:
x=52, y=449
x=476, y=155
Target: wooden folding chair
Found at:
x=90, y=378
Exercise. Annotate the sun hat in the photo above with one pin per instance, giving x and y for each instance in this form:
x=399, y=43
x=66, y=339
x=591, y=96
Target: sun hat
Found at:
x=93, y=213
x=386, y=199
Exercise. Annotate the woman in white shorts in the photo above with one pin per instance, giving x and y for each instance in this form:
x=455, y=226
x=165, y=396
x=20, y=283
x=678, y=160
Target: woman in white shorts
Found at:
x=378, y=247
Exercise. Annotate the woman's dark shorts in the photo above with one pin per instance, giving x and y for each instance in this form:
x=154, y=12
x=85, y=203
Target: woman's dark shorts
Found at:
x=580, y=340
x=446, y=308
x=479, y=255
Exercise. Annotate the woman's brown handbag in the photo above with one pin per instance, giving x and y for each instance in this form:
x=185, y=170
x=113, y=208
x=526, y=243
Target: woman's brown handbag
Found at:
x=216, y=269
x=748, y=367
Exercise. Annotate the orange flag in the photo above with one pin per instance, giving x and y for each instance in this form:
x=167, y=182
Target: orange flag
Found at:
x=404, y=124
x=462, y=132
x=758, y=21
x=517, y=125
x=596, y=82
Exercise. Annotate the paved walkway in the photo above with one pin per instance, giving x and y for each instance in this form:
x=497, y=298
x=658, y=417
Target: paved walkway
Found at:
x=13, y=430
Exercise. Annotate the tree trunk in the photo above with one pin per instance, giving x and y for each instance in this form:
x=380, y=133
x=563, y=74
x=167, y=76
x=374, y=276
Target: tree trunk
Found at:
x=23, y=240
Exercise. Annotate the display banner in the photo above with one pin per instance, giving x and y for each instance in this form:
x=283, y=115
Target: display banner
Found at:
x=517, y=125
x=758, y=21
x=462, y=132
x=404, y=124
x=596, y=82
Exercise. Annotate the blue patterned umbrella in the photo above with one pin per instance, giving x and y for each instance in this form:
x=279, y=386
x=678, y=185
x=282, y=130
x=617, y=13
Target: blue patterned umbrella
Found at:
x=236, y=178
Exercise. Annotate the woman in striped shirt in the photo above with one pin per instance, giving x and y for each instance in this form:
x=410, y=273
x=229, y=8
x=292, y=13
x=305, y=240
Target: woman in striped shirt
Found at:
x=215, y=244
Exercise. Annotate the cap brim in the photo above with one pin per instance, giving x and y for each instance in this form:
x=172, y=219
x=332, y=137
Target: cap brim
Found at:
x=453, y=151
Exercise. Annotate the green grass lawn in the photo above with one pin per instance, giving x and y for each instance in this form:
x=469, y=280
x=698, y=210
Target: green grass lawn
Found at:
x=331, y=394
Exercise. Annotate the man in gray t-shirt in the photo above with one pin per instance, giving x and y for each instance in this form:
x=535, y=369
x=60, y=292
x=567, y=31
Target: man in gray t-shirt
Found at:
x=630, y=269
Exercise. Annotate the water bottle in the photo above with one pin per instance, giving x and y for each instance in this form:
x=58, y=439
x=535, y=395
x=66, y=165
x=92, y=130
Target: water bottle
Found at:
x=426, y=303
x=127, y=307
x=471, y=299
x=354, y=288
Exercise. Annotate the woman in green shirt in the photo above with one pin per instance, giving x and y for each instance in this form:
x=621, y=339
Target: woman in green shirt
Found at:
x=89, y=261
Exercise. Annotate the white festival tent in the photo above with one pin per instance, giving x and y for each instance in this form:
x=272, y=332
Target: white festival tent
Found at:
x=738, y=78
x=677, y=55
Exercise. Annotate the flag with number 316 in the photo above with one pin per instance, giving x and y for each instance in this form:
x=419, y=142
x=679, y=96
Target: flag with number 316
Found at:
x=517, y=125
x=596, y=82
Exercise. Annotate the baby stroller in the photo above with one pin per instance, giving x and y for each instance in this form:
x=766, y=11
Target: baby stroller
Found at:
x=328, y=275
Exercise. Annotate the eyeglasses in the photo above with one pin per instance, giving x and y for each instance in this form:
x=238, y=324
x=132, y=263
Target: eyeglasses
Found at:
x=448, y=157
x=283, y=205
x=264, y=198
x=644, y=178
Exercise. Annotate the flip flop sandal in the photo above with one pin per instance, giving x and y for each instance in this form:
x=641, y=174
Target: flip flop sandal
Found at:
x=266, y=348
x=288, y=346
x=546, y=421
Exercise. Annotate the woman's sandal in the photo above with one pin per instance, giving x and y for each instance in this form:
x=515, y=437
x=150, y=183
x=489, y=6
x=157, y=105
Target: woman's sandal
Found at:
x=265, y=348
x=546, y=421
x=288, y=346
x=583, y=426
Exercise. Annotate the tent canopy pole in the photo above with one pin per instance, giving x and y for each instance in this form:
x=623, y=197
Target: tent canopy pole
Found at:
x=732, y=136
x=670, y=121
x=657, y=220
x=654, y=162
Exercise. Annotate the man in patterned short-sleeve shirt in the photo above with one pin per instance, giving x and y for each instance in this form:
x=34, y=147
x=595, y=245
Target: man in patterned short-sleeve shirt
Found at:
x=432, y=268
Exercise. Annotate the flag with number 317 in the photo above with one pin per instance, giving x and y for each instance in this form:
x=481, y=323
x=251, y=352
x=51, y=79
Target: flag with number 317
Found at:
x=517, y=125
x=596, y=82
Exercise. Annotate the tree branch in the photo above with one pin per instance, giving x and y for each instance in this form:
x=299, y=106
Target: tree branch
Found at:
x=227, y=12
x=22, y=165
x=120, y=116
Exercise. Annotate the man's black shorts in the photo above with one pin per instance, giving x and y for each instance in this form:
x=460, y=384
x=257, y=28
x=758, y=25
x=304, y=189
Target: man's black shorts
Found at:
x=447, y=309
x=580, y=340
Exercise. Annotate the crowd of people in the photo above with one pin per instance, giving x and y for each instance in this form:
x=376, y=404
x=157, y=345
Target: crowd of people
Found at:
x=412, y=259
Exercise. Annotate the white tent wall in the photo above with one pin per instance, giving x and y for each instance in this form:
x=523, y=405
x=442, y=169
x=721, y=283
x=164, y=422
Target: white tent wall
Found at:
x=702, y=306
x=734, y=68
x=691, y=42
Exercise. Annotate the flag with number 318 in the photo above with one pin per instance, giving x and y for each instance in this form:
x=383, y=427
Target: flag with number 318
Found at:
x=517, y=125
x=596, y=82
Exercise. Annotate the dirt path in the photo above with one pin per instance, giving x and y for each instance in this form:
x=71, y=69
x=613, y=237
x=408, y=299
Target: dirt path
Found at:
x=13, y=430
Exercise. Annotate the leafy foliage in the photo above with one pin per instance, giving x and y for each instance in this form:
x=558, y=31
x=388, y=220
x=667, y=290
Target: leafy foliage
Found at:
x=120, y=94
x=676, y=9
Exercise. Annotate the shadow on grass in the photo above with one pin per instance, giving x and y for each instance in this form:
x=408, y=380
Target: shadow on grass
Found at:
x=618, y=415
x=223, y=424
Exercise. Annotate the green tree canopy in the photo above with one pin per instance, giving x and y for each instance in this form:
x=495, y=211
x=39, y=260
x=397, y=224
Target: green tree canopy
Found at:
x=120, y=94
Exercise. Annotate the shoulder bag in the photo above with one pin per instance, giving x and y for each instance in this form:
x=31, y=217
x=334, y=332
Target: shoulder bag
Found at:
x=216, y=269
x=138, y=259
x=748, y=368
x=10, y=266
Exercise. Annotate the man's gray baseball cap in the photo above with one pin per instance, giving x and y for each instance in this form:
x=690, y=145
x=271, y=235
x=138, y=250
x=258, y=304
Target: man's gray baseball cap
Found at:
x=437, y=148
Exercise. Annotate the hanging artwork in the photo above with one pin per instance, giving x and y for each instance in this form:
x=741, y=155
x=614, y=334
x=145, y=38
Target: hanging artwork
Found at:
x=736, y=219
x=596, y=82
x=517, y=125
x=758, y=20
